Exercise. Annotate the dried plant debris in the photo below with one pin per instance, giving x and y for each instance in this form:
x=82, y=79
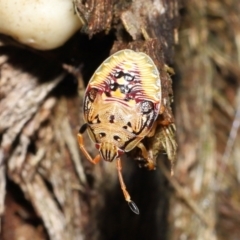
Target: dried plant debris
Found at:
x=206, y=107
x=34, y=119
x=21, y=96
x=39, y=122
x=96, y=16
x=159, y=19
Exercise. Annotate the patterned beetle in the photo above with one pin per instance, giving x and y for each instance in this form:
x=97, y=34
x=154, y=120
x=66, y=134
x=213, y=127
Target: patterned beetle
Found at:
x=121, y=104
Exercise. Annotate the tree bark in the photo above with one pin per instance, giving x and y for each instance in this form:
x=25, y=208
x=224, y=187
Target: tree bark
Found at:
x=48, y=190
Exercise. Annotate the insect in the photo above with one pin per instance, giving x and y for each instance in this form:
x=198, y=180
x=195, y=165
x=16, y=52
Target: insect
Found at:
x=121, y=104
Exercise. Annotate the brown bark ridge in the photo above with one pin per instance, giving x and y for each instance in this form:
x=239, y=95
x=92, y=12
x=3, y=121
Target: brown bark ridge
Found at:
x=207, y=119
x=48, y=190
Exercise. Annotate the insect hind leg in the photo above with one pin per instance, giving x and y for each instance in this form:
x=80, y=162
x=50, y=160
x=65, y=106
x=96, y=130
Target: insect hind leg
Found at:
x=151, y=165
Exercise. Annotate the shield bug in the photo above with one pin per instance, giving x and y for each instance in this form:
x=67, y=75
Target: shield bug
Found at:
x=121, y=104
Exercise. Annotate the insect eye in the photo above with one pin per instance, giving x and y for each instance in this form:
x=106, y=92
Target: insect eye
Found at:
x=117, y=138
x=101, y=135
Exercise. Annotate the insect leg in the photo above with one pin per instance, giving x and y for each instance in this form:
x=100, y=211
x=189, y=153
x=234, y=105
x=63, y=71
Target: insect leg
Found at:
x=127, y=197
x=150, y=163
x=83, y=149
x=153, y=130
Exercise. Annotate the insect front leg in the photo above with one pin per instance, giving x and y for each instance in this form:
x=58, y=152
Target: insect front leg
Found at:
x=82, y=146
x=151, y=165
x=127, y=197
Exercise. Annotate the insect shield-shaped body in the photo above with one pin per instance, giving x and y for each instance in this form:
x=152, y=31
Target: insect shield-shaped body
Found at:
x=121, y=104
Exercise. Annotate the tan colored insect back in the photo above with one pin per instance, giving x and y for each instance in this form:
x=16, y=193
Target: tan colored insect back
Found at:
x=121, y=104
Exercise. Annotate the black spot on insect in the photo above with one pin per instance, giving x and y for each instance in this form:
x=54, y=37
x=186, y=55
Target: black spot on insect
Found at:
x=95, y=120
x=101, y=135
x=118, y=74
x=129, y=124
x=125, y=88
x=114, y=86
x=117, y=138
x=111, y=119
x=127, y=76
x=122, y=89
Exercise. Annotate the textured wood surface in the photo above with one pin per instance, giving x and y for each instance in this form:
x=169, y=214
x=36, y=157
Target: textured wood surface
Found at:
x=47, y=188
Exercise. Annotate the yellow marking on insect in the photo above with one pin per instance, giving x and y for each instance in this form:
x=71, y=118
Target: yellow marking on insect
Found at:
x=132, y=61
